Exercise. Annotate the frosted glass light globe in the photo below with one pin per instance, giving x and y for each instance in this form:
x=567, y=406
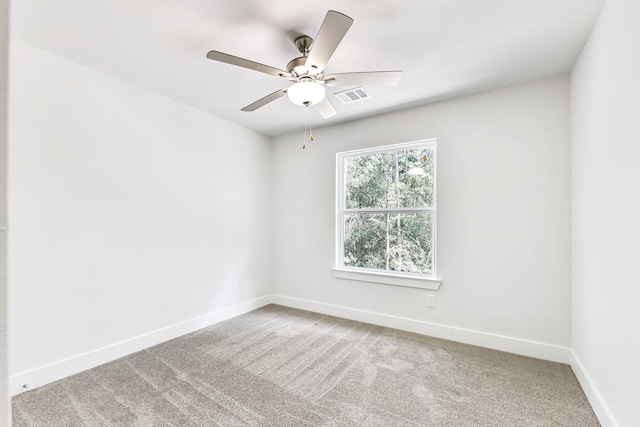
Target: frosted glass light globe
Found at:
x=306, y=93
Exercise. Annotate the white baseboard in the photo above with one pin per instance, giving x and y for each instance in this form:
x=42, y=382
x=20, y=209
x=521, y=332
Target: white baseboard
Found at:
x=593, y=395
x=519, y=346
x=73, y=365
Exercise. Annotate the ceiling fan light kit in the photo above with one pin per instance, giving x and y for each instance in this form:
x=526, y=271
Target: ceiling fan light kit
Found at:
x=306, y=71
x=306, y=92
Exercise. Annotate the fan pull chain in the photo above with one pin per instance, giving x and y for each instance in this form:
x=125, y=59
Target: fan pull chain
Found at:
x=304, y=139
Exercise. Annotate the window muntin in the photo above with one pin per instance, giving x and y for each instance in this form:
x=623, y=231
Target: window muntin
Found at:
x=386, y=209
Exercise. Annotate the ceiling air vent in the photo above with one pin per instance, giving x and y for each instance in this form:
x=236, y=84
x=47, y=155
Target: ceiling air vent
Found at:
x=352, y=95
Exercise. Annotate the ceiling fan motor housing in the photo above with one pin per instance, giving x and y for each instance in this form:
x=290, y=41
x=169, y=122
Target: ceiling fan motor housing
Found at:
x=297, y=67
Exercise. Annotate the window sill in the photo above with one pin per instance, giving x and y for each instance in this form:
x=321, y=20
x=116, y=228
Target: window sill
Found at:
x=388, y=279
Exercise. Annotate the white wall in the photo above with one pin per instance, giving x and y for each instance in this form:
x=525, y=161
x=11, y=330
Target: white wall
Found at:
x=129, y=213
x=605, y=95
x=503, y=214
x=5, y=413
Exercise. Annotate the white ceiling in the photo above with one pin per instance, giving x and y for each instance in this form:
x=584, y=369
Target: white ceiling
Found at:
x=446, y=48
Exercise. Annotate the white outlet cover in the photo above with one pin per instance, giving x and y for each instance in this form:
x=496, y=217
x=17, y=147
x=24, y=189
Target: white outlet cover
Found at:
x=431, y=301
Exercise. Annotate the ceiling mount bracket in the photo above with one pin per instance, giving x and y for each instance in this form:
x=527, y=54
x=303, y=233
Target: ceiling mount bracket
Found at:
x=303, y=44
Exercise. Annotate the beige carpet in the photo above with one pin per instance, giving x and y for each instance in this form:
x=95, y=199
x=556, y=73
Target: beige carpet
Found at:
x=283, y=367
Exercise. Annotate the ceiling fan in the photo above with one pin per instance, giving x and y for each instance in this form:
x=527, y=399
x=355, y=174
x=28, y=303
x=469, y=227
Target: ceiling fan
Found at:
x=306, y=71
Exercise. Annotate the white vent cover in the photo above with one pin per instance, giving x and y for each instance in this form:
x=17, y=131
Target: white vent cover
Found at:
x=352, y=95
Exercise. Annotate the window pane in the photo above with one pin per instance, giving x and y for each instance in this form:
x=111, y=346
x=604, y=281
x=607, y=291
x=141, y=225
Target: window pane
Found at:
x=392, y=242
x=390, y=180
x=369, y=181
x=415, y=177
x=365, y=241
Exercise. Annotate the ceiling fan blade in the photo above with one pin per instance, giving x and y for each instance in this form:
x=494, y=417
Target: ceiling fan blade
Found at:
x=332, y=30
x=245, y=63
x=264, y=101
x=364, y=78
x=325, y=109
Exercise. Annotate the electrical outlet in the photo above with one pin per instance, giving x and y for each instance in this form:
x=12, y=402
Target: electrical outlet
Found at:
x=431, y=301
x=236, y=286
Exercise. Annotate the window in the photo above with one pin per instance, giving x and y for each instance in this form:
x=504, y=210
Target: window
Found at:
x=386, y=212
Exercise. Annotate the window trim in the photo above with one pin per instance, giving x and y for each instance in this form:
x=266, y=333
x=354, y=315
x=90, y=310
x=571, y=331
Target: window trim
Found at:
x=340, y=271
x=382, y=277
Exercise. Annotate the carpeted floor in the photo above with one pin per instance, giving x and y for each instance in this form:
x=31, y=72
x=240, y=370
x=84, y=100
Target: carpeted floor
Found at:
x=282, y=367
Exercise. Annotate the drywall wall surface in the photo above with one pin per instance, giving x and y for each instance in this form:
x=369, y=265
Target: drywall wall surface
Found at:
x=129, y=212
x=5, y=412
x=503, y=213
x=605, y=104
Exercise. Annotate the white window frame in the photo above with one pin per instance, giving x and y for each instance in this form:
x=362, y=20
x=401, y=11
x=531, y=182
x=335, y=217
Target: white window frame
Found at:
x=413, y=280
